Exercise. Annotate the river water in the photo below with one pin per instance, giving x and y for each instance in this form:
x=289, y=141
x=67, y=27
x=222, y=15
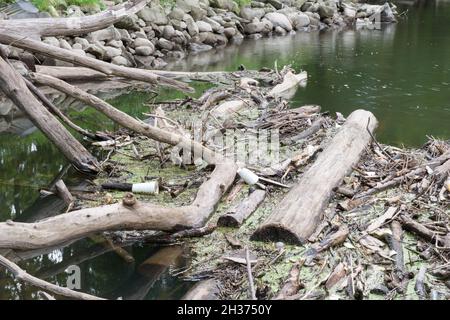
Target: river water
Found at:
x=400, y=72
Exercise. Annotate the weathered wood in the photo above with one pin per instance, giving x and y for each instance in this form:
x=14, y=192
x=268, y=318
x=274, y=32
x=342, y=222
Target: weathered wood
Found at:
x=203, y=290
x=12, y=84
x=72, y=73
x=302, y=208
x=63, y=192
x=22, y=275
x=71, y=26
x=422, y=231
x=26, y=43
x=237, y=215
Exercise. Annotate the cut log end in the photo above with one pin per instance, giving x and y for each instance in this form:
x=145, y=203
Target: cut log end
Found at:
x=276, y=232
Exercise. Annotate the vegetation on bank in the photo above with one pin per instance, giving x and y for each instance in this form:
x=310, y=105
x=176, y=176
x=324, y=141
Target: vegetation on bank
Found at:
x=49, y=5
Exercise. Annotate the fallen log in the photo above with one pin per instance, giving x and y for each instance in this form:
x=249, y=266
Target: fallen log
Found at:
x=302, y=208
x=203, y=290
x=12, y=84
x=422, y=231
x=29, y=44
x=72, y=26
x=72, y=73
x=237, y=215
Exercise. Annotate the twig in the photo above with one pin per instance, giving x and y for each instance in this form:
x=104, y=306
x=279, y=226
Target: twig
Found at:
x=249, y=274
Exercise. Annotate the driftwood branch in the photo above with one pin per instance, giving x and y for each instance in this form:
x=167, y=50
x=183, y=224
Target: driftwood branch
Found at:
x=22, y=275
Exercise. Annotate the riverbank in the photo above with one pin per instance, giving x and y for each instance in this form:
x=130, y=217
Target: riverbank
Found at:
x=158, y=33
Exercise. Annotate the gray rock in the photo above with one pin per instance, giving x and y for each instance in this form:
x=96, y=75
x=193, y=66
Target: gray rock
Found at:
x=77, y=46
x=198, y=13
x=144, y=62
x=179, y=38
x=192, y=27
x=251, y=13
x=299, y=20
x=97, y=50
x=141, y=42
x=125, y=36
x=115, y=43
x=64, y=44
x=177, y=13
x=120, y=61
x=51, y=41
x=144, y=51
x=280, y=31
x=107, y=34
x=216, y=27
x=229, y=32
x=387, y=15
x=139, y=34
x=203, y=26
x=326, y=11
x=187, y=5
x=175, y=55
x=276, y=4
x=168, y=32
x=255, y=36
x=82, y=41
x=153, y=14
x=129, y=22
x=159, y=63
x=279, y=20
x=224, y=4
x=164, y=44
x=111, y=52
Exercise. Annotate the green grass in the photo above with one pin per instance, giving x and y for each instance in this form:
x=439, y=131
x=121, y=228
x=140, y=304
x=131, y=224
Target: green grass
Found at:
x=44, y=5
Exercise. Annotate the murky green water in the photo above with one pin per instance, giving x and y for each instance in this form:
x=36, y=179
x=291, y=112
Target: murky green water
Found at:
x=401, y=73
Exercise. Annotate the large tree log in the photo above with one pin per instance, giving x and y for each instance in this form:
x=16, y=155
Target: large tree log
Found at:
x=12, y=84
x=26, y=43
x=71, y=26
x=302, y=208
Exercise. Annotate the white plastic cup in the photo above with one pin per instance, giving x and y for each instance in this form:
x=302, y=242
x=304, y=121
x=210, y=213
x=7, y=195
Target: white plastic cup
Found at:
x=146, y=187
x=248, y=176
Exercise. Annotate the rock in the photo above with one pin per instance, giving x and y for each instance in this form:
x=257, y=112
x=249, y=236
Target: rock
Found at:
x=144, y=51
x=212, y=39
x=203, y=26
x=224, y=4
x=326, y=11
x=179, y=38
x=144, y=62
x=187, y=5
x=83, y=42
x=107, y=34
x=77, y=46
x=164, y=44
x=229, y=32
x=275, y=3
x=177, y=13
x=64, y=44
x=299, y=20
x=115, y=43
x=198, y=13
x=280, y=31
x=175, y=55
x=387, y=15
x=97, y=50
x=216, y=27
x=141, y=42
x=51, y=41
x=159, y=63
x=111, y=52
x=153, y=14
x=192, y=27
x=120, y=61
x=128, y=23
x=168, y=32
x=279, y=20
x=125, y=36
x=196, y=47
x=139, y=34
x=264, y=26
x=251, y=13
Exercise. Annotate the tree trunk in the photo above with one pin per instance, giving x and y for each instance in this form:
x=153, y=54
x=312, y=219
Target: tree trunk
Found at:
x=12, y=84
x=301, y=210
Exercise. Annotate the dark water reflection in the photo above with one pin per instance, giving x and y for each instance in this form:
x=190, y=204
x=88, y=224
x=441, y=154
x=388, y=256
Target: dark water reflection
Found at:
x=401, y=73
